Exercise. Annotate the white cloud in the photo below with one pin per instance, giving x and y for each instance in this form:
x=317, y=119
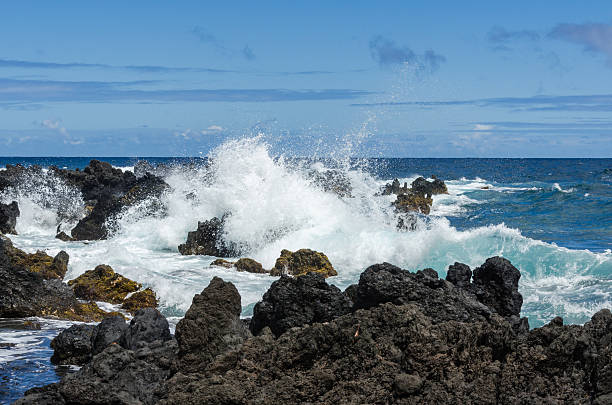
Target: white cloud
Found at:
x=483, y=127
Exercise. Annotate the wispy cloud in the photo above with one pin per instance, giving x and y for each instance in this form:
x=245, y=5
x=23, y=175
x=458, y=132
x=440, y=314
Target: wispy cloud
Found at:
x=594, y=102
x=206, y=37
x=44, y=91
x=387, y=53
x=58, y=126
x=594, y=38
x=25, y=64
x=502, y=39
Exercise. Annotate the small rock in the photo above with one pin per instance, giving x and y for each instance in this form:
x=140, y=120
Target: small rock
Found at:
x=249, y=265
x=103, y=284
x=407, y=384
x=140, y=299
x=223, y=263
x=8, y=217
x=302, y=262
x=207, y=240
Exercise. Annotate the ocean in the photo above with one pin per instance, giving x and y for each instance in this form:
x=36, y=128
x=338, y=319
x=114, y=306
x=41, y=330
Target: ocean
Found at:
x=552, y=218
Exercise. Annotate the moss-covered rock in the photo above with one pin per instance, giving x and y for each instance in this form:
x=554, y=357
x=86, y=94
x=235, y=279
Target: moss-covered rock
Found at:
x=103, y=284
x=40, y=262
x=302, y=262
x=223, y=263
x=81, y=312
x=140, y=299
x=249, y=265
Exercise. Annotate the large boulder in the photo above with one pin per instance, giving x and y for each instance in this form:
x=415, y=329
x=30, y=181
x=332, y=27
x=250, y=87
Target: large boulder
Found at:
x=73, y=345
x=211, y=326
x=207, y=240
x=93, y=226
x=302, y=262
x=103, y=284
x=8, y=217
x=107, y=332
x=291, y=302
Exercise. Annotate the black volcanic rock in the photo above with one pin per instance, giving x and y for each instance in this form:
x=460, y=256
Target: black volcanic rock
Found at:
x=8, y=217
x=211, y=326
x=107, y=332
x=411, y=338
x=147, y=326
x=207, y=240
x=73, y=345
x=459, y=274
x=291, y=302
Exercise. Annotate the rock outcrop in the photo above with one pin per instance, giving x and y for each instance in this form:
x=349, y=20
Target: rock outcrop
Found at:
x=409, y=338
x=25, y=293
x=291, y=302
x=207, y=240
x=103, y=284
x=302, y=262
x=417, y=197
x=210, y=327
x=8, y=217
x=39, y=262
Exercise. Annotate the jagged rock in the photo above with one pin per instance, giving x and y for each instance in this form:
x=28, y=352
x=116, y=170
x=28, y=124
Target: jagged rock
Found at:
x=292, y=302
x=24, y=293
x=459, y=274
x=147, y=326
x=8, y=217
x=413, y=202
x=39, y=262
x=422, y=186
x=302, y=262
x=207, y=240
x=103, y=284
x=222, y=263
x=394, y=188
x=73, y=345
x=140, y=299
x=333, y=181
x=107, y=332
x=249, y=265
x=496, y=285
x=211, y=326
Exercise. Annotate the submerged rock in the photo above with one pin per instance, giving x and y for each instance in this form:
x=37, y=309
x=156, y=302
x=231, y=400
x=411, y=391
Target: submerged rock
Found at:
x=222, y=263
x=8, y=217
x=207, y=240
x=333, y=181
x=64, y=237
x=292, y=302
x=103, y=284
x=302, y=262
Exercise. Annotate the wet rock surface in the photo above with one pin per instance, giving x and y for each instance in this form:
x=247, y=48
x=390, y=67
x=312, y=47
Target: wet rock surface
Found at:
x=408, y=338
x=302, y=262
x=25, y=293
x=103, y=284
x=207, y=239
x=8, y=217
x=417, y=197
x=139, y=300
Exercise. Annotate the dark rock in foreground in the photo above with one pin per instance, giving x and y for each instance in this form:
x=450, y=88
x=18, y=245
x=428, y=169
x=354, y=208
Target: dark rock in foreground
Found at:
x=207, y=240
x=410, y=338
x=299, y=301
x=8, y=217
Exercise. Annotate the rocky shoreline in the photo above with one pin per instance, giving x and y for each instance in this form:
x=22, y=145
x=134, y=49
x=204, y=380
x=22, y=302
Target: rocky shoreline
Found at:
x=395, y=337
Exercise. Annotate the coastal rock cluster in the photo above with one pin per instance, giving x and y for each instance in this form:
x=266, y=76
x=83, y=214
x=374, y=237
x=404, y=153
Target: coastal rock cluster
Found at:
x=417, y=197
x=396, y=337
x=32, y=286
x=105, y=190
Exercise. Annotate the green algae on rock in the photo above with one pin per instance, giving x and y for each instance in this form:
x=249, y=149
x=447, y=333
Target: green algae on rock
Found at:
x=103, y=284
x=303, y=262
x=140, y=299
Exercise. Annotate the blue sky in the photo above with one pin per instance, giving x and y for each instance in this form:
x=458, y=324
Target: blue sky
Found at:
x=397, y=79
